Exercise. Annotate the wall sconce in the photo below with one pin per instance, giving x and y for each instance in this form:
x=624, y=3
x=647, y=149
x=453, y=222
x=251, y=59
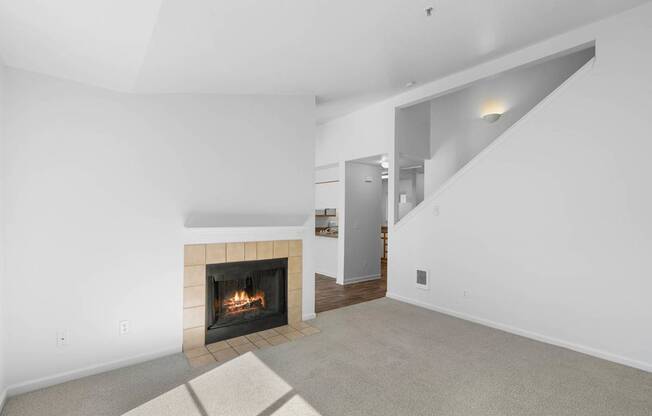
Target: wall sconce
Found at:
x=491, y=117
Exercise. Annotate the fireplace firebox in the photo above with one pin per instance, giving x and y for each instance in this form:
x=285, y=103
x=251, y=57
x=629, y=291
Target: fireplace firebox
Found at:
x=245, y=297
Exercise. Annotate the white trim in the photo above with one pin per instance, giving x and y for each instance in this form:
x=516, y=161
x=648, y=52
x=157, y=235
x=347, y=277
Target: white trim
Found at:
x=329, y=275
x=360, y=279
x=326, y=166
x=309, y=316
x=529, y=334
x=42, y=382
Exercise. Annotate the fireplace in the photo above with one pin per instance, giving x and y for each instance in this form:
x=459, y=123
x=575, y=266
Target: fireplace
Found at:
x=245, y=297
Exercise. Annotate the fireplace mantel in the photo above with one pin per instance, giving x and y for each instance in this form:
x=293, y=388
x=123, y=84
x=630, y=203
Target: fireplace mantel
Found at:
x=203, y=229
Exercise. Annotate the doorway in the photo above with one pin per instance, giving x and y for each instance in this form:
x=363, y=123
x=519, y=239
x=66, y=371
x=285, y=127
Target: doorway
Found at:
x=354, y=258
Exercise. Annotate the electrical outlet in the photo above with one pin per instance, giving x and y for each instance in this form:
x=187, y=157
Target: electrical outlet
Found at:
x=62, y=338
x=435, y=210
x=124, y=327
x=466, y=293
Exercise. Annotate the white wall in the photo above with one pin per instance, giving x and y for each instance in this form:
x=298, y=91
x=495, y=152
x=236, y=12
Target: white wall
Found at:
x=413, y=146
x=407, y=187
x=327, y=195
x=362, y=223
x=326, y=256
x=419, y=186
x=98, y=186
x=327, y=173
x=3, y=336
x=410, y=184
x=327, y=187
x=549, y=231
x=413, y=131
x=385, y=200
x=355, y=136
x=457, y=131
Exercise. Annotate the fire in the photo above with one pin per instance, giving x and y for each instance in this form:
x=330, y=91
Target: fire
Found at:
x=241, y=302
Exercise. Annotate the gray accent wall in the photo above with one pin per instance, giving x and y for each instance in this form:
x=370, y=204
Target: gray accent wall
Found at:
x=363, y=218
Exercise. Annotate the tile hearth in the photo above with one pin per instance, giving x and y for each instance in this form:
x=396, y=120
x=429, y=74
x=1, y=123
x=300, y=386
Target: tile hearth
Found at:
x=223, y=351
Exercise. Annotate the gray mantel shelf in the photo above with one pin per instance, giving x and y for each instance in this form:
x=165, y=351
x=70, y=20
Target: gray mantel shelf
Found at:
x=245, y=220
x=220, y=228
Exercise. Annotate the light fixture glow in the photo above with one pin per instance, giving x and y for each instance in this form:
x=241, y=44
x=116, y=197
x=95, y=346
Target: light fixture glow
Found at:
x=384, y=164
x=410, y=84
x=492, y=110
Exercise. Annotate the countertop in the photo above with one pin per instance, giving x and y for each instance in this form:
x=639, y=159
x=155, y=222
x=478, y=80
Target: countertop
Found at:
x=321, y=232
x=327, y=235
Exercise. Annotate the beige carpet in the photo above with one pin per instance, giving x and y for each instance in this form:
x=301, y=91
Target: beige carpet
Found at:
x=376, y=358
x=244, y=386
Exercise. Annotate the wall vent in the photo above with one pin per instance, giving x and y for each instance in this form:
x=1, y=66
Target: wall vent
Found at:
x=423, y=278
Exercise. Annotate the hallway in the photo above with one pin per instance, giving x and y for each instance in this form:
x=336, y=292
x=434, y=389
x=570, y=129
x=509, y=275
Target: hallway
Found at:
x=329, y=295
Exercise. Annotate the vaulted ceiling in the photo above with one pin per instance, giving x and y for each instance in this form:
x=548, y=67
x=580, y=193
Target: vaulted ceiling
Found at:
x=346, y=52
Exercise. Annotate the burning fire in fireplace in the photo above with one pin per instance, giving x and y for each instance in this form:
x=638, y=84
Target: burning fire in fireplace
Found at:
x=241, y=301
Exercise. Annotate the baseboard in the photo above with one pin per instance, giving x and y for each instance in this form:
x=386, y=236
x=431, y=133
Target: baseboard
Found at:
x=360, y=279
x=3, y=398
x=309, y=316
x=529, y=334
x=48, y=381
x=330, y=275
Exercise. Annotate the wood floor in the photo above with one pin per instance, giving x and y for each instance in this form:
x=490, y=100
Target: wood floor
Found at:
x=329, y=295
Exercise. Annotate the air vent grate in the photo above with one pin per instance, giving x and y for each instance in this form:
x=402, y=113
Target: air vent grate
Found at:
x=423, y=278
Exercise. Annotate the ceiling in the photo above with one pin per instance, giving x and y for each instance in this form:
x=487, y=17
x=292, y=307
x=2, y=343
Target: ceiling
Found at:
x=347, y=53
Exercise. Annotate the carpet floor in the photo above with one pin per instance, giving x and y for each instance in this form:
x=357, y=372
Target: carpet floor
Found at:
x=376, y=358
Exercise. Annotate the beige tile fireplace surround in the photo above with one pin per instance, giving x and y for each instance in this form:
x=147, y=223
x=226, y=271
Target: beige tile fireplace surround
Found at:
x=197, y=256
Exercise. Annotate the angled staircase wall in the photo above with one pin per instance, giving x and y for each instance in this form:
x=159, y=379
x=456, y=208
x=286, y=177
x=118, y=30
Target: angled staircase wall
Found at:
x=547, y=233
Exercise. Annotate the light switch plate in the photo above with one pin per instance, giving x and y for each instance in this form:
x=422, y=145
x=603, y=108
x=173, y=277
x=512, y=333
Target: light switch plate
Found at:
x=124, y=327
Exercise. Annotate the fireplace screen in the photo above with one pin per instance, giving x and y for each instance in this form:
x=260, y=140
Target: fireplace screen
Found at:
x=245, y=297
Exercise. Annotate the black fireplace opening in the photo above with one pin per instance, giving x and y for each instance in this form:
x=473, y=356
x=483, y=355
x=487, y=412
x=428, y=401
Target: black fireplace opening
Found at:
x=245, y=297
